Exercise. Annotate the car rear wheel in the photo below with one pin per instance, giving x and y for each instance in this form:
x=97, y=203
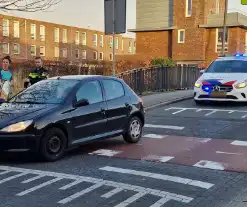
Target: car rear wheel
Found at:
x=53, y=145
x=134, y=130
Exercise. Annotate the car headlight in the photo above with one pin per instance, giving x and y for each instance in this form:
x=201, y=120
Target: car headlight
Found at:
x=17, y=127
x=198, y=84
x=241, y=85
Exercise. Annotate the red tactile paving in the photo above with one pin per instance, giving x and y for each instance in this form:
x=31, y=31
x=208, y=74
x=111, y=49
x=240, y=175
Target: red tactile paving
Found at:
x=185, y=150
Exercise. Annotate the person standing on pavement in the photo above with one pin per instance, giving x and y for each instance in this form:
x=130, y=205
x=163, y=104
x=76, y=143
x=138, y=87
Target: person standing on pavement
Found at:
x=6, y=78
x=39, y=73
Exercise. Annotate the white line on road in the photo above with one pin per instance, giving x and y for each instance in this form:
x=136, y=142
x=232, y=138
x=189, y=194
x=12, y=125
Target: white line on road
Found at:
x=228, y=153
x=175, y=179
x=33, y=178
x=131, y=199
x=210, y=165
x=163, y=126
x=155, y=136
x=71, y=185
x=160, y=202
x=4, y=172
x=239, y=143
x=112, y=193
x=179, y=111
x=12, y=177
x=105, y=152
x=212, y=112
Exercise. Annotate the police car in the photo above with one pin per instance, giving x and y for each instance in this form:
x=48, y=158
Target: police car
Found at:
x=224, y=80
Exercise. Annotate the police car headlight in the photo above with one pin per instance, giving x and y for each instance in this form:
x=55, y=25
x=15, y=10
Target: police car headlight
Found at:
x=241, y=85
x=17, y=127
x=198, y=84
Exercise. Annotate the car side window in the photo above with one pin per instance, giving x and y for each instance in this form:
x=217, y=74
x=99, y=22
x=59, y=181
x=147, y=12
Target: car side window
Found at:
x=113, y=89
x=90, y=91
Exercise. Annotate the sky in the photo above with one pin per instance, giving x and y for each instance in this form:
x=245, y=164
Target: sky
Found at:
x=90, y=13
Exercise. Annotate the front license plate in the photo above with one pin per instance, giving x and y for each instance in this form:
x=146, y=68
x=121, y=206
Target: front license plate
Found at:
x=217, y=94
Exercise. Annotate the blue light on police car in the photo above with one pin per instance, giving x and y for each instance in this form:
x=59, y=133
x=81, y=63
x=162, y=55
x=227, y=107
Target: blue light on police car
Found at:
x=237, y=55
x=206, y=89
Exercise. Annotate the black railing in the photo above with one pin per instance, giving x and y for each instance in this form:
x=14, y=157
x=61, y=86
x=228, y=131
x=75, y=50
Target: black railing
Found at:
x=158, y=79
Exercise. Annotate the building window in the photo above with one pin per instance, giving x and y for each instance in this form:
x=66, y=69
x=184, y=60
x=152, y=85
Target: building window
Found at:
x=84, y=54
x=101, y=55
x=33, y=31
x=84, y=38
x=33, y=50
x=111, y=42
x=77, y=38
x=56, y=34
x=5, y=27
x=217, y=7
x=77, y=55
x=42, y=33
x=130, y=46
x=117, y=43
x=16, y=29
x=42, y=50
x=122, y=44
x=56, y=51
x=16, y=49
x=65, y=38
x=95, y=55
x=101, y=41
x=5, y=47
x=111, y=57
x=188, y=9
x=95, y=40
x=65, y=53
x=219, y=40
x=181, y=36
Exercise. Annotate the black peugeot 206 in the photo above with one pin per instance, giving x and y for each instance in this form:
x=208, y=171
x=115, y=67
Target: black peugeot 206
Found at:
x=59, y=113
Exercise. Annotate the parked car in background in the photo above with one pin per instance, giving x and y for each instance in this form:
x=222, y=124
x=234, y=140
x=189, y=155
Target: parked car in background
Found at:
x=56, y=114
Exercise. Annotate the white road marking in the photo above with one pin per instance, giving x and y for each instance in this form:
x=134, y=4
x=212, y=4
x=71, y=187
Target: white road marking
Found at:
x=210, y=165
x=179, y=111
x=4, y=172
x=212, y=112
x=111, y=193
x=71, y=185
x=32, y=179
x=59, y=176
x=105, y=152
x=12, y=177
x=175, y=179
x=158, y=158
x=228, y=153
x=239, y=143
x=160, y=202
x=244, y=116
x=81, y=193
x=38, y=186
x=131, y=199
x=163, y=126
x=230, y=112
x=155, y=136
x=203, y=140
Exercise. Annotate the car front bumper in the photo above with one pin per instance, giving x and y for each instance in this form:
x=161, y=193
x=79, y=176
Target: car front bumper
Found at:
x=19, y=141
x=236, y=95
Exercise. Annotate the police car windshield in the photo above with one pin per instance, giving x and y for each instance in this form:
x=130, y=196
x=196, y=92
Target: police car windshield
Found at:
x=45, y=92
x=228, y=66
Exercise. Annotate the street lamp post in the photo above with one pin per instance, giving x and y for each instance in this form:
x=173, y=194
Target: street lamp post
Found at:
x=113, y=41
x=224, y=28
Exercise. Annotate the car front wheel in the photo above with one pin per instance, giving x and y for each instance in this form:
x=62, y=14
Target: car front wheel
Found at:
x=134, y=130
x=53, y=145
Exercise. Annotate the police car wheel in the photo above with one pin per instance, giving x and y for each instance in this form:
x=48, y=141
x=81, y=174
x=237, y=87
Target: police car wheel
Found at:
x=52, y=145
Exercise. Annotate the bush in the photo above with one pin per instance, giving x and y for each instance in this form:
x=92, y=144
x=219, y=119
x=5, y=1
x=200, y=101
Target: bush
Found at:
x=163, y=62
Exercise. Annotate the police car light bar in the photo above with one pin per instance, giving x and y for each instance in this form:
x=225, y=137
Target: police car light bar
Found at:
x=234, y=55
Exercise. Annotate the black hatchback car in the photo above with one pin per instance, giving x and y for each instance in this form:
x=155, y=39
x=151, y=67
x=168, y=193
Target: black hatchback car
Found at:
x=56, y=114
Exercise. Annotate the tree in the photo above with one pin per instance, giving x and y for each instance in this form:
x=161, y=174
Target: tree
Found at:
x=27, y=5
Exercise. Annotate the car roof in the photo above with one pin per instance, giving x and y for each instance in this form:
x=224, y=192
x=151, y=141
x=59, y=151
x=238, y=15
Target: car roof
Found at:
x=83, y=77
x=232, y=58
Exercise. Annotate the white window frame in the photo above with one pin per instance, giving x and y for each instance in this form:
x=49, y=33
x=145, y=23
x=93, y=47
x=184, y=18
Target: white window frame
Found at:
x=56, y=34
x=179, y=35
x=65, y=35
x=33, y=31
x=34, y=50
x=16, y=53
x=101, y=41
x=122, y=44
x=101, y=53
x=42, y=33
x=56, y=52
x=111, y=42
x=187, y=8
x=63, y=50
x=40, y=50
x=95, y=52
x=78, y=51
x=117, y=42
x=84, y=39
x=219, y=44
x=130, y=46
x=217, y=6
x=77, y=37
x=84, y=57
x=95, y=40
x=5, y=27
x=7, y=47
x=16, y=29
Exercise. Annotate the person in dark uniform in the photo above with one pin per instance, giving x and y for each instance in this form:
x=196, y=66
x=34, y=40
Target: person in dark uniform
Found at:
x=38, y=74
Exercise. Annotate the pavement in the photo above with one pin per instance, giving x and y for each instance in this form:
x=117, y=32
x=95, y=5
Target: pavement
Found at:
x=188, y=156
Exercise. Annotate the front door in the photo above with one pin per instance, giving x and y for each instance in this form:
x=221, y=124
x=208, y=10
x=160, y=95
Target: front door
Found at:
x=89, y=121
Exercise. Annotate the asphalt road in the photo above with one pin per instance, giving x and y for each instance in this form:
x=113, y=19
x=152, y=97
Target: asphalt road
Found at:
x=156, y=172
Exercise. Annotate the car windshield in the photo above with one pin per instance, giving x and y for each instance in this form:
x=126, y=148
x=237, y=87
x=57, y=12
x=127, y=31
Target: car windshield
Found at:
x=45, y=92
x=228, y=66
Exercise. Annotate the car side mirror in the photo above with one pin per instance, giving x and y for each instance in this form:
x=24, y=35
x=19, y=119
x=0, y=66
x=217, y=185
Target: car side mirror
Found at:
x=82, y=102
x=202, y=71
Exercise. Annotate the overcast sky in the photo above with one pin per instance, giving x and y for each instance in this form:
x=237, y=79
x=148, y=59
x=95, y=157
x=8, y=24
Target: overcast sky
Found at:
x=90, y=13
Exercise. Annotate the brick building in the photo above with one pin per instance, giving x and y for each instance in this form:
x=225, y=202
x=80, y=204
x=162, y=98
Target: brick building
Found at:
x=188, y=31
x=25, y=38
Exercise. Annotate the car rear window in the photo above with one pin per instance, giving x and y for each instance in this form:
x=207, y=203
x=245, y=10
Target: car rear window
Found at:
x=228, y=66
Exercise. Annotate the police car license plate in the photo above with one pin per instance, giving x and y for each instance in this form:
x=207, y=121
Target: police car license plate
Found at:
x=218, y=94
